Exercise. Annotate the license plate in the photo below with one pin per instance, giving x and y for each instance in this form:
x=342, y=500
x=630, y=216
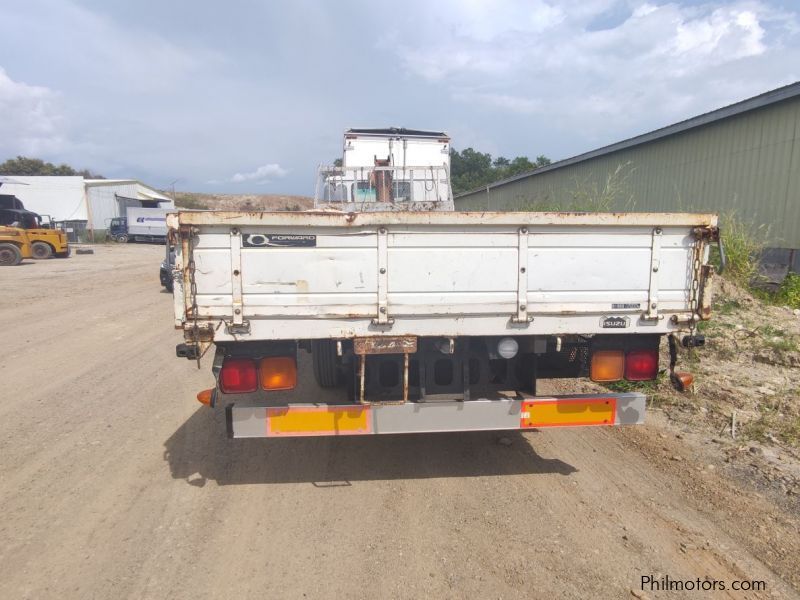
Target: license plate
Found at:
x=564, y=412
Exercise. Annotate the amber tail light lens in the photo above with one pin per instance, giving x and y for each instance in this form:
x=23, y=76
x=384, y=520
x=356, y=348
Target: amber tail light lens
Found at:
x=607, y=365
x=278, y=373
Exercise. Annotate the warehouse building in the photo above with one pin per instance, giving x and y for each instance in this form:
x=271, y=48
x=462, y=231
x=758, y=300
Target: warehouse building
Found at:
x=83, y=205
x=742, y=159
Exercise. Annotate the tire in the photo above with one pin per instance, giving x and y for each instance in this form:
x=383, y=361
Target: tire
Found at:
x=10, y=255
x=169, y=286
x=41, y=250
x=122, y=238
x=325, y=363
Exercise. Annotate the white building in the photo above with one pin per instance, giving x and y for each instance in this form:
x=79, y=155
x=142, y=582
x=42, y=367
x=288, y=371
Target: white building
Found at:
x=73, y=199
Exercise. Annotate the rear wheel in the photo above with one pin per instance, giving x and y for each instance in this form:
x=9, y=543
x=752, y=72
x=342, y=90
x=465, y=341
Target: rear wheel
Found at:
x=41, y=250
x=325, y=363
x=9, y=255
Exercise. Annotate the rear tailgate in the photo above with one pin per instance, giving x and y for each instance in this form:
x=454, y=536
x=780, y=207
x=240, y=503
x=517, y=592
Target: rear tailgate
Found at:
x=317, y=275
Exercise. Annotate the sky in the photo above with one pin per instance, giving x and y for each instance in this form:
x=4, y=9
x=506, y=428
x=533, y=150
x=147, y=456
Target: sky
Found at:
x=249, y=97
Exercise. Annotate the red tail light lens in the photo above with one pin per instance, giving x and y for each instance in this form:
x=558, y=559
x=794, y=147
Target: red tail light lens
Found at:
x=641, y=365
x=238, y=376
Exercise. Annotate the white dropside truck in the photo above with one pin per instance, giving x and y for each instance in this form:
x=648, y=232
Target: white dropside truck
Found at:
x=423, y=321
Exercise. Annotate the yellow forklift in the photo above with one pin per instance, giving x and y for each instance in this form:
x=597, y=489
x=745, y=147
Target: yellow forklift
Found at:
x=46, y=241
x=14, y=246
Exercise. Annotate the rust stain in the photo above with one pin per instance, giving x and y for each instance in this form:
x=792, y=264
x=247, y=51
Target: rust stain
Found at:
x=387, y=344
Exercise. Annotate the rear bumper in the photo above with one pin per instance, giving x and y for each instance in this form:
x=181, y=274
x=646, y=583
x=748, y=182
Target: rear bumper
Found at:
x=299, y=420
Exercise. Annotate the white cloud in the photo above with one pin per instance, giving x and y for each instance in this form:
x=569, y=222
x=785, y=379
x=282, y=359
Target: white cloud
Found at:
x=262, y=175
x=509, y=102
x=31, y=122
x=660, y=63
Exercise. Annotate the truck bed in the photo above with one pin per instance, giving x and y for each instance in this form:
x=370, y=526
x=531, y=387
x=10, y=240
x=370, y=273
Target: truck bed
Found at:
x=312, y=275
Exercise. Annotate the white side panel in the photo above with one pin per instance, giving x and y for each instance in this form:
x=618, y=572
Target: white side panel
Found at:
x=444, y=280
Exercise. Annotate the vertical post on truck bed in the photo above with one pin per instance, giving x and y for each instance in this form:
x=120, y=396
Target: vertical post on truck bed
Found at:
x=383, y=278
x=655, y=265
x=236, y=275
x=521, y=315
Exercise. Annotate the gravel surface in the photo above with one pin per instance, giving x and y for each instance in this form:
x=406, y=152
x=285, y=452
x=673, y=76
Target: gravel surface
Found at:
x=116, y=483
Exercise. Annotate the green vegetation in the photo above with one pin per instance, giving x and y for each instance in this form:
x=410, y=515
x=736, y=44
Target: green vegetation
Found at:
x=789, y=292
x=623, y=385
x=773, y=423
x=588, y=195
x=470, y=169
x=22, y=165
x=743, y=244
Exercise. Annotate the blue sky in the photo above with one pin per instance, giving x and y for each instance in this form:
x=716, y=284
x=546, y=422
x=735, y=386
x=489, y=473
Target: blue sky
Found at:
x=249, y=97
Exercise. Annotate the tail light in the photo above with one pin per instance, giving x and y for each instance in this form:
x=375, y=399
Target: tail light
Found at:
x=641, y=365
x=278, y=373
x=238, y=376
x=607, y=365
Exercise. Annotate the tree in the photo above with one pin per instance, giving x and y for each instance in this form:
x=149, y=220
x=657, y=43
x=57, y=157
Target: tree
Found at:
x=470, y=169
x=22, y=165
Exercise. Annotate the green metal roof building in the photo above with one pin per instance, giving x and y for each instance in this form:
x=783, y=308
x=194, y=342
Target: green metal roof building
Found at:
x=742, y=159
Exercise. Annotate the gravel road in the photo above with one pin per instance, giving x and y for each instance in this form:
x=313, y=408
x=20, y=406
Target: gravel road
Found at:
x=116, y=483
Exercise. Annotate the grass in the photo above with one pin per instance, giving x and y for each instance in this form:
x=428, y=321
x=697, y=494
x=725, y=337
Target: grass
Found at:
x=781, y=344
x=789, y=292
x=771, y=423
x=743, y=244
x=589, y=195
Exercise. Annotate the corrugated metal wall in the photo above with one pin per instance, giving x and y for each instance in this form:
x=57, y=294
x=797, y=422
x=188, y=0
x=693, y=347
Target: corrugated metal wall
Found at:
x=103, y=201
x=748, y=164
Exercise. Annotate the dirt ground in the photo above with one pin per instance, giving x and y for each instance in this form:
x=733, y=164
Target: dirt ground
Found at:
x=116, y=483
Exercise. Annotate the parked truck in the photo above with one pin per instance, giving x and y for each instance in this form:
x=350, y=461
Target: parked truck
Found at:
x=140, y=224
x=422, y=319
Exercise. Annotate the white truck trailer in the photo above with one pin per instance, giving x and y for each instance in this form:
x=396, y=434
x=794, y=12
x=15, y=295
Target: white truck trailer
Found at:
x=423, y=321
x=141, y=224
